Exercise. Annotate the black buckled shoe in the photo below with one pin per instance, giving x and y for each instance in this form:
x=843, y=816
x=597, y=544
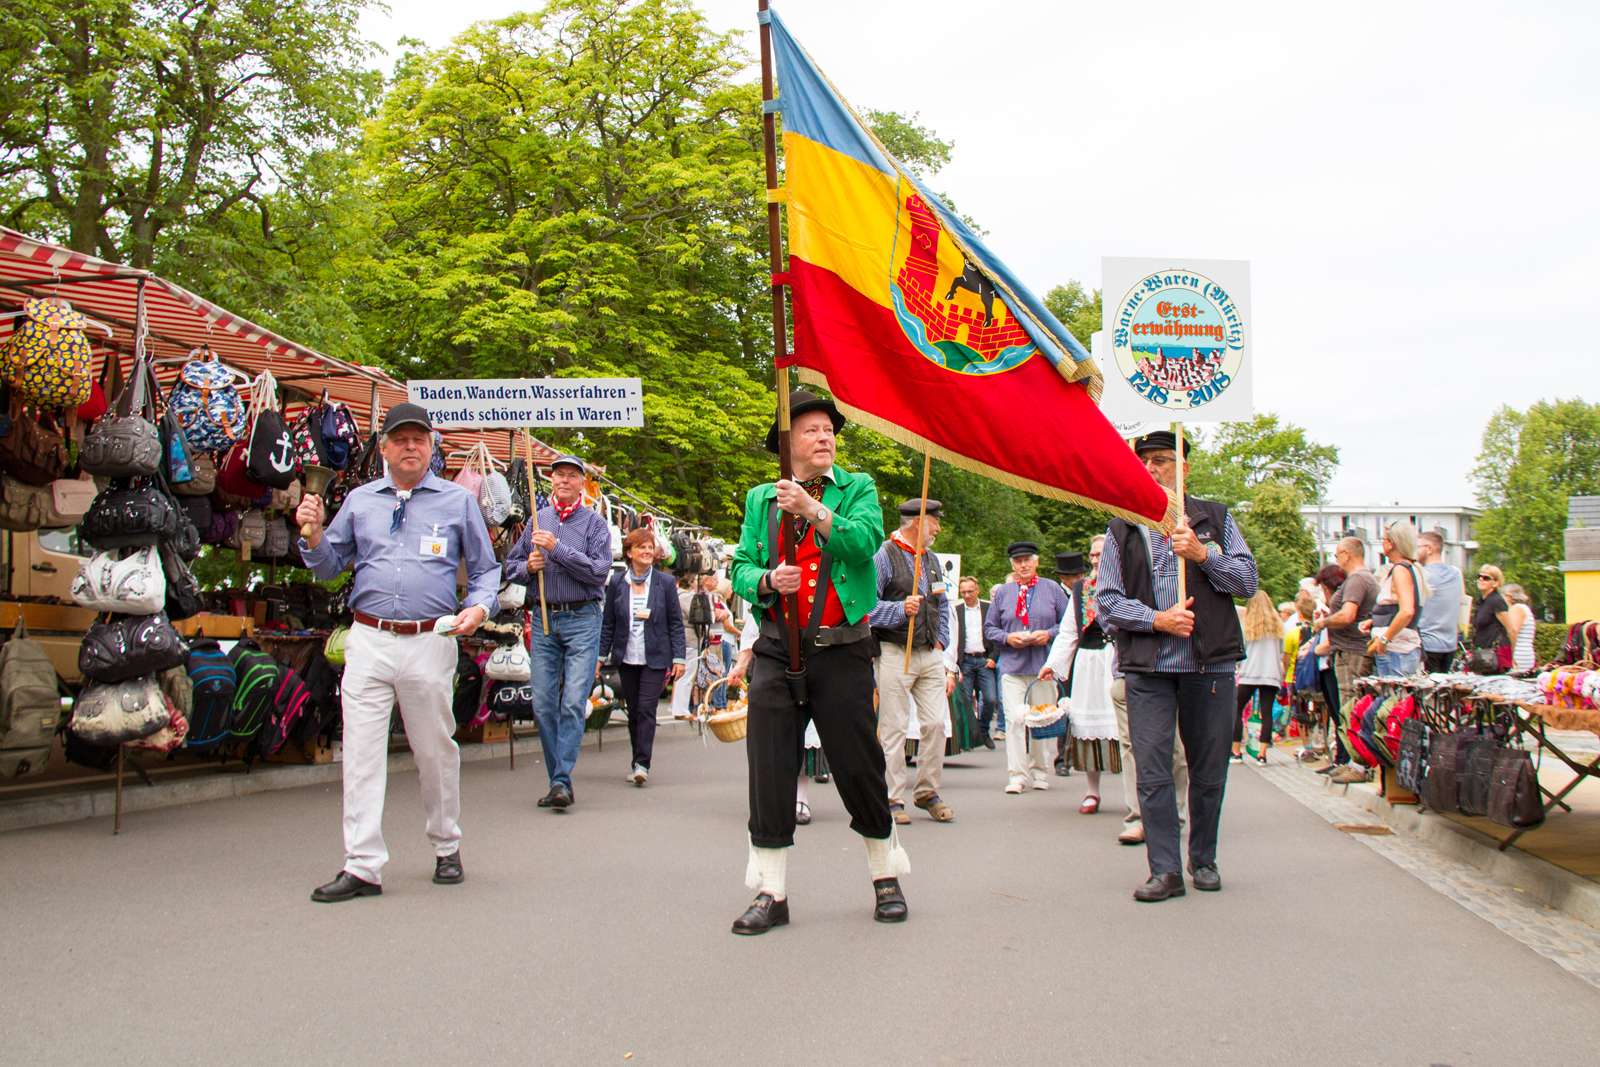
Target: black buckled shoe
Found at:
x=891, y=903
x=345, y=887
x=447, y=869
x=1206, y=879
x=763, y=914
x=1160, y=887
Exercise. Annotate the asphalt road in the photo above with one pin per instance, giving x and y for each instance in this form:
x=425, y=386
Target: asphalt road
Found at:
x=584, y=937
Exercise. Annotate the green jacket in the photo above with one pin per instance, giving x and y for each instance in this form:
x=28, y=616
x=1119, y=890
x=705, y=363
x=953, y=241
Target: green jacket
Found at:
x=857, y=533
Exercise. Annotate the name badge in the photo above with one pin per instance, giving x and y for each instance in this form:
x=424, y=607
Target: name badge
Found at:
x=641, y=613
x=432, y=546
x=938, y=588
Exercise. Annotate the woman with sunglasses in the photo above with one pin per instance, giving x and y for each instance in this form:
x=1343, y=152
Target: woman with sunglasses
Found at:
x=1491, y=622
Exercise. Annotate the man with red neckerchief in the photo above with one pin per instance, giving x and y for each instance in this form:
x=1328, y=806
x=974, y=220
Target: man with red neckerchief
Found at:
x=919, y=612
x=1026, y=615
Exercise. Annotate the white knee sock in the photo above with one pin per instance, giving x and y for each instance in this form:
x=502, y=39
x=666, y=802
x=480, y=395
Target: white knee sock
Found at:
x=801, y=789
x=886, y=858
x=767, y=871
x=1094, y=782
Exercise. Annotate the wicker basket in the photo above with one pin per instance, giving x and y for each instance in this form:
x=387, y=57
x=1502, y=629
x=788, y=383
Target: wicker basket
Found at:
x=728, y=725
x=1046, y=717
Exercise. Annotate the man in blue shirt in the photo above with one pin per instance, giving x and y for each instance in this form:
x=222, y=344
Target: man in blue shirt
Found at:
x=573, y=551
x=1177, y=660
x=405, y=535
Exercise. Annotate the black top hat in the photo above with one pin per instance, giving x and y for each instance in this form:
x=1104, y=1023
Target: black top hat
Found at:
x=406, y=415
x=800, y=402
x=1070, y=563
x=1021, y=548
x=914, y=507
x=1161, y=439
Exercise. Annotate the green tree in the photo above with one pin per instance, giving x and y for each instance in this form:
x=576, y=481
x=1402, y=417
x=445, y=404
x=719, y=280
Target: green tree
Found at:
x=1229, y=463
x=1284, y=548
x=1530, y=462
x=1076, y=309
x=119, y=119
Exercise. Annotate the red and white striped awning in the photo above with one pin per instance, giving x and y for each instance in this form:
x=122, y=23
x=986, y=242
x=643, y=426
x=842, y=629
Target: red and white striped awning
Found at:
x=178, y=321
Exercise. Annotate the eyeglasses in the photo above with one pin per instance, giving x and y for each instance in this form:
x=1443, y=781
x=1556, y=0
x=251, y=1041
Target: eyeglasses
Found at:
x=1485, y=577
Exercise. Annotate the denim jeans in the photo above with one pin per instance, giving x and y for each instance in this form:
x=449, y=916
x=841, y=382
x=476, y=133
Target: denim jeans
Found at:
x=1398, y=664
x=986, y=702
x=562, y=677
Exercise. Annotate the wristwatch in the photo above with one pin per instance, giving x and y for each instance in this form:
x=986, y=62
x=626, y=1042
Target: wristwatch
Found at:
x=823, y=515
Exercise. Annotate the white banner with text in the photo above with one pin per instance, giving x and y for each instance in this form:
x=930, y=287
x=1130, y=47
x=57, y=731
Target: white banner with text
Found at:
x=511, y=403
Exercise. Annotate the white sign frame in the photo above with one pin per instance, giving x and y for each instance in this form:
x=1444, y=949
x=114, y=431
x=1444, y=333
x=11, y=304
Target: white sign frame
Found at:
x=1195, y=300
x=512, y=403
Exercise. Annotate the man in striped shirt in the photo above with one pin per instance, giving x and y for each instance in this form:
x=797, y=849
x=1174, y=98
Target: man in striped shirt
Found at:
x=1178, y=661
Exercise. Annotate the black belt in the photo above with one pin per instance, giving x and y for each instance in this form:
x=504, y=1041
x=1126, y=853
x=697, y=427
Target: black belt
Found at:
x=572, y=605
x=826, y=635
x=980, y=655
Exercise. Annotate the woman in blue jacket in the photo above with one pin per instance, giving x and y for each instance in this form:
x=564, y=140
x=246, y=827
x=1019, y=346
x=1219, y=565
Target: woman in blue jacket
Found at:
x=641, y=633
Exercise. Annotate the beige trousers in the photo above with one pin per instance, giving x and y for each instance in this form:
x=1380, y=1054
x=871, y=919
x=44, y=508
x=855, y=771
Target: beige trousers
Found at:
x=418, y=672
x=1130, y=770
x=897, y=689
x=1024, y=761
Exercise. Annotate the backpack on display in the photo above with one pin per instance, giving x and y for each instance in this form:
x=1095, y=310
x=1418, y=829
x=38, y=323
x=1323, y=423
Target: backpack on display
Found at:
x=47, y=359
x=469, y=688
x=341, y=438
x=257, y=690
x=206, y=401
x=213, y=681
x=333, y=648
x=700, y=616
x=30, y=705
x=291, y=702
x=325, y=705
x=271, y=461
x=309, y=446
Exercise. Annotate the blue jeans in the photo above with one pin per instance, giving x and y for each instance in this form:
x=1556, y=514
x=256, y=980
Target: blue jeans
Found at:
x=986, y=702
x=1397, y=664
x=562, y=677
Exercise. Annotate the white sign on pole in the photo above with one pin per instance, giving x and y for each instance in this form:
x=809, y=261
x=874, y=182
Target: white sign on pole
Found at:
x=486, y=403
x=1177, y=340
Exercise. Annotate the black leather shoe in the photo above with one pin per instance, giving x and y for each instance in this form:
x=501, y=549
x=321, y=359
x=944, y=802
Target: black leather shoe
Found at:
x=1206, y=879
x=763, y=914
x=447, y=869
x=345, y=887
x=891, y=906
x=988, y=742
x=558, y=797
x=1062, y=770
x=1160, y=887
x=545, y=801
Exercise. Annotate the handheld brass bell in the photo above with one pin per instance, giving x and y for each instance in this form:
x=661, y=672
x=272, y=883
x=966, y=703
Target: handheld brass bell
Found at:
x=317, y=479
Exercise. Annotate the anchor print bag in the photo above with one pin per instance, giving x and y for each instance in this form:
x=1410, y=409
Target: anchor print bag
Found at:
x=271, y=456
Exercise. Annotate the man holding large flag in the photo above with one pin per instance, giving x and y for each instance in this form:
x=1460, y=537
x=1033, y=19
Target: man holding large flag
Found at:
x=834, y=518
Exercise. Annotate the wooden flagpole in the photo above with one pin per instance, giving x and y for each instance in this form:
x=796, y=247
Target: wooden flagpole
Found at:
x=533, y=518
x=916, y=570
x=769, y=140
x=1183, y=585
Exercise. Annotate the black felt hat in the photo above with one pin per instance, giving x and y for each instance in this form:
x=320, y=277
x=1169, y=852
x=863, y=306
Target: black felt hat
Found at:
x=909, y=508
x=800, y=402
x=1159, y=439
x=1070, y=563
x=1021, y=548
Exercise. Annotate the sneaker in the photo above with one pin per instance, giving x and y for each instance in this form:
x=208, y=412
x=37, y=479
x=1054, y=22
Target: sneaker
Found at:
x=1261, y=761
x=1015, y=785
x=1236, y=757
x=999, y=735
x=639, y=776
x=1041, y=782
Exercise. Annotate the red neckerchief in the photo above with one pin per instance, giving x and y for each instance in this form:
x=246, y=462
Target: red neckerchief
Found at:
x=903, y=543
x=565, y=511
x=1022, y=598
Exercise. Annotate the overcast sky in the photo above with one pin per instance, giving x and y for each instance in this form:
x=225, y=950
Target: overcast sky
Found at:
x=1412, y=183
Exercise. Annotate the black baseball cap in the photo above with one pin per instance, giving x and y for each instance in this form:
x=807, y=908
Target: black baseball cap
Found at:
x=406, y=415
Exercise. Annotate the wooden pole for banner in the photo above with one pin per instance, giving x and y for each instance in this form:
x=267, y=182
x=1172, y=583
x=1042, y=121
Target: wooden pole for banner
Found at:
x=533, y=519
x=916, y=570
x=1183, y=585
x=769, y=143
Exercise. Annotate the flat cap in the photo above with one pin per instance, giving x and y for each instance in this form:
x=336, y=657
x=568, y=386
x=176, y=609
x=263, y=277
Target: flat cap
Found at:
x=914, y=507
x=567, y=461
x=1022, y=548
x=1159, y=439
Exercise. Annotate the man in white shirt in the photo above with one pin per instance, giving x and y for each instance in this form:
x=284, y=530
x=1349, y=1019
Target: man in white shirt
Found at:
x=969, y=659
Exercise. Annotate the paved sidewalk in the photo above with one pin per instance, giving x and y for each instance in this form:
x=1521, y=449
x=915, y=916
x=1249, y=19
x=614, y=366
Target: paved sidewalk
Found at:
x=583, y=938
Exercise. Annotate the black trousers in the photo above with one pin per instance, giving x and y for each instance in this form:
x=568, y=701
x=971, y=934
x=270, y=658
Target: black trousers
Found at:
x=839, y=684
x=1437, y=662
x=1196, y=707
x=1269, y=696
x=641, y=689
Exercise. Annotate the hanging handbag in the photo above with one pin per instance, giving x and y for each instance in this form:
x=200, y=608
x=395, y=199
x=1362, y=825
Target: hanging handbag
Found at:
x=1474, y=784
x=23, y=507
x=126, y=444
x=1439, y=784
x=270, y=455
x=202, y=476
x=1514, y=797
x=29, y=451
x=274, y=539
x=252, y=531
x=509, y=663
x=512, y=595
x=1483, y=661
x=284, y=501
x=223, y=524
x=116, y=713
x=233, y=474
x=130, y=516
x=132, y=586
x=70, y=499
x=183, y=596
x=130, y=645
x=170, y=736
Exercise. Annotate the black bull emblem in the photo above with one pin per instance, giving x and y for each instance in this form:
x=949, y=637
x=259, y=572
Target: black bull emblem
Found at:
x=974, y=282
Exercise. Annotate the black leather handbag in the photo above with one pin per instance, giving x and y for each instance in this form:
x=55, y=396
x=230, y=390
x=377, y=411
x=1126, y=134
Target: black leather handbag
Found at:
x=1411, y=764
x=1514, y=798
x=184, y=598
x=126, y=443
x=1481, y=753
x=130, y=516
x=1440, y=790
x=129, y=646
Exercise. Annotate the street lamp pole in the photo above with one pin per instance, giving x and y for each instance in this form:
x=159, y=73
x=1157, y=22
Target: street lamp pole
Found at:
x=1317, y=476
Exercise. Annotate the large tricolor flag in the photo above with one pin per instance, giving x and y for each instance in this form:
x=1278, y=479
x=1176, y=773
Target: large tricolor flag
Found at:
x=920, y=332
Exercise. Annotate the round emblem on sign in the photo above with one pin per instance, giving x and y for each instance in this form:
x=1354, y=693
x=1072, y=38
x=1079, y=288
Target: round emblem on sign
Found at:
x=1178, y=340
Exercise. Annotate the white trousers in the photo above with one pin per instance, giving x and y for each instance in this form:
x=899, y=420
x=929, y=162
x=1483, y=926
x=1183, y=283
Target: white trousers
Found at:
x=897, y=691
x=418, y=673
x=1024, y=761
